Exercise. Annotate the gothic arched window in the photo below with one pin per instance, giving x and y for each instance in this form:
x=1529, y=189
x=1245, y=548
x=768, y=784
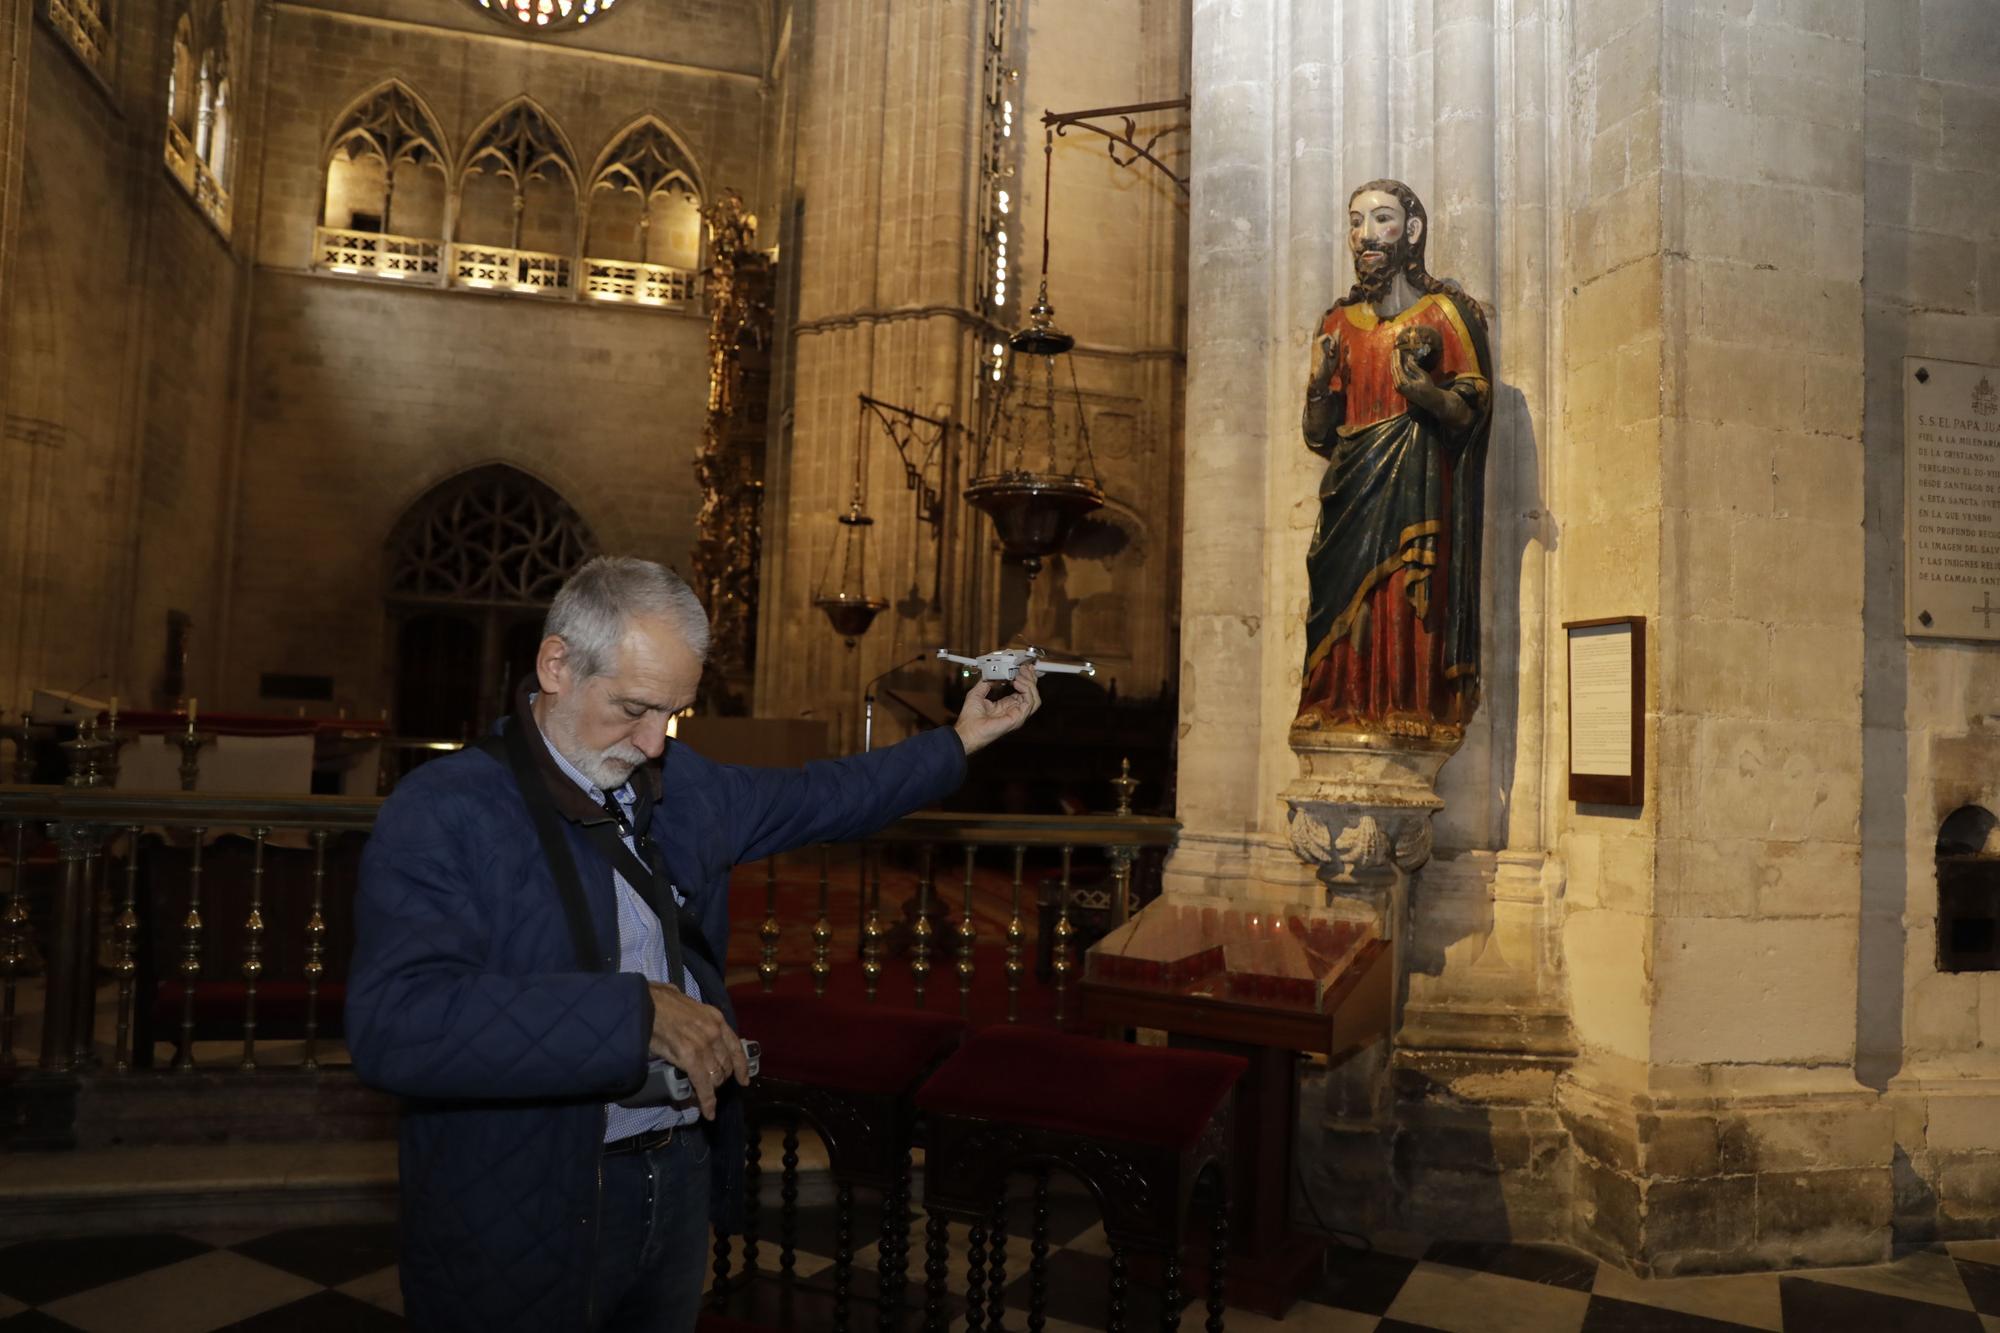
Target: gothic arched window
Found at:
x=180, y=77
x=386, y=182
x=517, y=203
x=206, y=85
x=472, y=569
x=198, y=107
x=385, y=169
x=181, y=105
x=493, y=535
x=644, y=201
x=644, y=219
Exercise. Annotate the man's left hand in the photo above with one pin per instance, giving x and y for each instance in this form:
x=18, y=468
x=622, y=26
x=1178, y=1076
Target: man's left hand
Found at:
x=984, y=720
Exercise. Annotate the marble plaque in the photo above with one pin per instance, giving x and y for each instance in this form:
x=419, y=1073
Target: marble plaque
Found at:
x=1951, y=499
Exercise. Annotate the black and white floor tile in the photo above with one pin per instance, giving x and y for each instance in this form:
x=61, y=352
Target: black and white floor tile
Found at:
x=343, y=1278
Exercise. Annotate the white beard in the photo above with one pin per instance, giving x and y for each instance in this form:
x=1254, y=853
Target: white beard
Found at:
x=607, y=769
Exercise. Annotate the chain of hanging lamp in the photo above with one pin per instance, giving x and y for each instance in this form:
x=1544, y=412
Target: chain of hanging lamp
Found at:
x=843, y=596
x=1034, y=509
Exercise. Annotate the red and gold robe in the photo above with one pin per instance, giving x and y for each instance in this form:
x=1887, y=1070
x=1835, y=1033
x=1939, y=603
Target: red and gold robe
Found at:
x=1392, y=635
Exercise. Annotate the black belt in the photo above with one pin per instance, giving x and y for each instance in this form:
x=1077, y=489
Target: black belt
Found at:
x=644, y=1141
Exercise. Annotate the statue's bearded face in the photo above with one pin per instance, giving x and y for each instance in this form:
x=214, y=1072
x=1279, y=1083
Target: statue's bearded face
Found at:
x=1379, y=235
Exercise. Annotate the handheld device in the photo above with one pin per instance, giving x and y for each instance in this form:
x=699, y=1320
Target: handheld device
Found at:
x=667, y=1085
x=1004, y=664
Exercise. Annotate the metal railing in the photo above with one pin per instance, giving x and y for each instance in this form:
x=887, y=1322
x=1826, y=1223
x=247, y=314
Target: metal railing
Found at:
x=112, y=864
x=379, y=255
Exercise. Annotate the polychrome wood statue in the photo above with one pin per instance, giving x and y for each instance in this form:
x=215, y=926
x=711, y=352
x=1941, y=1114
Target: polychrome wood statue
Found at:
x=1399, y=402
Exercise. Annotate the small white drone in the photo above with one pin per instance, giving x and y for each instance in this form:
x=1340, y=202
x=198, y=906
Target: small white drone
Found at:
x=1004, y=664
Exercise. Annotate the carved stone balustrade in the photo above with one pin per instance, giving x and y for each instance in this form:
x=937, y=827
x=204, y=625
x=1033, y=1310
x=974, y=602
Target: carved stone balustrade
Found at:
x=379, y=255
x=641, y=284
x=495, y=266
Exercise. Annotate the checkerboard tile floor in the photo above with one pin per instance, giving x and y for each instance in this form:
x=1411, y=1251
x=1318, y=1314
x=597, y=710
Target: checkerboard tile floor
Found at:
x=343, y=1278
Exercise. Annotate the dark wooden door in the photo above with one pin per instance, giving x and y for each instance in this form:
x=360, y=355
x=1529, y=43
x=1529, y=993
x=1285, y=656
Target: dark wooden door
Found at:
x=438, y=675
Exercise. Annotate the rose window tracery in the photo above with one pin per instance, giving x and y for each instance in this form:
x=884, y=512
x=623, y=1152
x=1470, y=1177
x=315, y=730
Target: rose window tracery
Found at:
x=546, y=15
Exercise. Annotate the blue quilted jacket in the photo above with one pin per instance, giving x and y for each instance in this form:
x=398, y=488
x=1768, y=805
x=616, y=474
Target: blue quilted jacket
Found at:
x=465, y=999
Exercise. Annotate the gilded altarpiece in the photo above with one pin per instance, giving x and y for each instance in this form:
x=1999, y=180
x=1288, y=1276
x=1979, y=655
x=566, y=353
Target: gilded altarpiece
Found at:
x=730, y=465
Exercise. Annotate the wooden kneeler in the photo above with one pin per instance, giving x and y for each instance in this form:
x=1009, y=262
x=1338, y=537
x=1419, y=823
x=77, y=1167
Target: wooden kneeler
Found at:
x=1144, y=1127
x=849, y=1071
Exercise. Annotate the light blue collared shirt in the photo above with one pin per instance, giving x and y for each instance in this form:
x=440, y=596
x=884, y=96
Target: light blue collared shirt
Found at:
x=642, y=948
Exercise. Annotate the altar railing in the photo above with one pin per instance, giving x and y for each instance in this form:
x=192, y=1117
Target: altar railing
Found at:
x=219, y=925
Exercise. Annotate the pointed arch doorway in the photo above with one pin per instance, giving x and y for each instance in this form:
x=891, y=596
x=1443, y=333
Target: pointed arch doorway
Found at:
x=473, y=567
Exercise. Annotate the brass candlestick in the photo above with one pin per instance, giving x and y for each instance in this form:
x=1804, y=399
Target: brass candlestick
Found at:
x=1125, y=784
x=22, y=734
x=83, y=754
x=113, y=741
x=191, y=743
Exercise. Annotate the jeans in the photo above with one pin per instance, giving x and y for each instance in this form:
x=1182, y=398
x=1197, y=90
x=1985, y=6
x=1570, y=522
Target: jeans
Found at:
x=652, y=1239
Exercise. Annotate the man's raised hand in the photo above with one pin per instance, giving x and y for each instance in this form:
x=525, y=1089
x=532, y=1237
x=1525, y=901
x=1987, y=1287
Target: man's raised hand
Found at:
x=983, y=720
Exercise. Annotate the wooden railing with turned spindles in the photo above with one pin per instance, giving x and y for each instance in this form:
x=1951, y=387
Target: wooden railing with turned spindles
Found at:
x=86, y=841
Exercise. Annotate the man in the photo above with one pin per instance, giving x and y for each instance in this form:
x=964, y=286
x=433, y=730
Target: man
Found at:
x=1399, y=401
x=539, y=917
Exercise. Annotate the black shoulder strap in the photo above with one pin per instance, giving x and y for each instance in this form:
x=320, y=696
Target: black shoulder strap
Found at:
x=690, y=929
x=651, y=884
x=512, y=749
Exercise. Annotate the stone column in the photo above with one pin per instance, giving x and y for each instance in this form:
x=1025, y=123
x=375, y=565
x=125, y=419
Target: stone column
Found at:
x=1711, y=480
x=1229, y=665
x=883, y=239
x=16, y=29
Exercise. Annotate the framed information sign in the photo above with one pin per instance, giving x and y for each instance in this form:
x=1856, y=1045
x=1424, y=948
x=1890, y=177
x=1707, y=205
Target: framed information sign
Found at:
x=1951, y=499
x=1607, y=710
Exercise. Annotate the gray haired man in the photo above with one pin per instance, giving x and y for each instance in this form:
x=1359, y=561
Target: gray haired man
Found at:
x=542, y=916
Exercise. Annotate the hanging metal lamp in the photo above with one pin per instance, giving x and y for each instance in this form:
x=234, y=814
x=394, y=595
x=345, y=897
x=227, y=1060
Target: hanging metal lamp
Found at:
x=1034, y=495
x=843, y=595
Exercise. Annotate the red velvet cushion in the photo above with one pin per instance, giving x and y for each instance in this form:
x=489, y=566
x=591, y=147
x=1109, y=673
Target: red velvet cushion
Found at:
x=222, y=1002
x=851, y=1047
x=1080, y=1085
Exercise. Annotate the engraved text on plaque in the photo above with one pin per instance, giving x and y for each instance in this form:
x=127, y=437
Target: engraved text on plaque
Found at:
x=1951, y=498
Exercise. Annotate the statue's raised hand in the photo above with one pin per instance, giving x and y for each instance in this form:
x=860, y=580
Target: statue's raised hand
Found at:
x=1415, y=346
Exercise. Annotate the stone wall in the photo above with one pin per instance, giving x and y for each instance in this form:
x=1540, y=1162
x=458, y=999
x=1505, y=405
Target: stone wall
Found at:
x=363, y=395
x=888, y=303
x=116, y=458
x=1932, y=289
x=178, y=417
x=348, y=426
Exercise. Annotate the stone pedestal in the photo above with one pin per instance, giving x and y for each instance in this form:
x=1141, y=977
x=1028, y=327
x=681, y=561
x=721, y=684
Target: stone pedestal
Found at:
x=1360, y=810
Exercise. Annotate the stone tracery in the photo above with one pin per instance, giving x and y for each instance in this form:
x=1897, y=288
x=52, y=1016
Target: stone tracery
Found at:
x=86, y=26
